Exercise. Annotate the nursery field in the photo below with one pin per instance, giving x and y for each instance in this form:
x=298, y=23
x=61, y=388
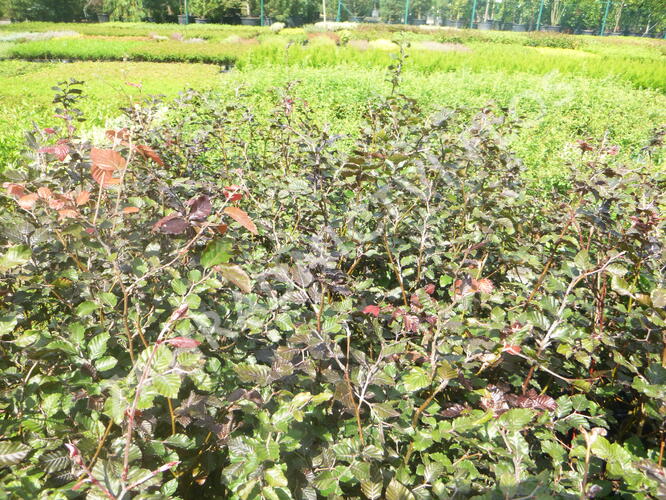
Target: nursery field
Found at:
x=563, y=87
x=369, y=262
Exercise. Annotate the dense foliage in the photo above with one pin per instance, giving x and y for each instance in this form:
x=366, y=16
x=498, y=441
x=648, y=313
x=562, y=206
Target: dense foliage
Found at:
x=202, y=303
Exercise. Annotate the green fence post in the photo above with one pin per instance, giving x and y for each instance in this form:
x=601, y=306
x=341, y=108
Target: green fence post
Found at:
x=538, y=26
x=406, y=11
x=261, y=6
x=603, y=23
x=337, y=18
x=187, y=14
x=471, y=21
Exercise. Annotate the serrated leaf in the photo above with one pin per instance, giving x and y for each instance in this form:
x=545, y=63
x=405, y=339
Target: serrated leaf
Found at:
x=180, y=441
x=416, y=379
x=12, y=453
x=54, y=461
x=106, y=363
x=516, y=418
x=97, y=345
x=167, y=385
x=15, y=256
x=275, y=477
x=371, y=489
x=398, y=491
x=256, y=374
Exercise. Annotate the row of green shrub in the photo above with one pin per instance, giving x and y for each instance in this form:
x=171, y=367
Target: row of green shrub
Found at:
x=206, y=31
x=121, y=50
x=322, y=52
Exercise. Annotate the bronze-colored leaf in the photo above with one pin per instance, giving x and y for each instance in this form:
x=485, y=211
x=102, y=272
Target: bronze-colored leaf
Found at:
x=44, y=193
x=148, y=152
x=200, y=208
x=107, y=159
x=172, y=224
x=104, y=177
x=28, y=201
x=82, y=198
x=242, y=218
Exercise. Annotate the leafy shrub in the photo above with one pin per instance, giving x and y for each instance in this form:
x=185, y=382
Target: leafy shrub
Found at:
x=212, y=305
x=553, y=40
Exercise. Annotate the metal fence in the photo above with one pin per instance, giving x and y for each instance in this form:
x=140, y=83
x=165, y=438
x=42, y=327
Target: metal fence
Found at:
x=587, y=17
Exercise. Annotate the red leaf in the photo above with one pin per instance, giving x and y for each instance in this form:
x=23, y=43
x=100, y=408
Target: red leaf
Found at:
x=130, y=210
x=58, y=202
x=132, y=84
x=14, y=190
x=67, y=213
x=242, y=218
x=374, y=310
x=121, y=135
x=44, y=193
x=61, y=151
x=232, y=193
x=200, y=208
x=183, y=342
x=28, y=201
x=484, y=285
x=104, y=177
x=49, y=130
x=148, y=152
x=511, y=349
x=107, y=159
x=172, y=224
x=82, y=198
x=429, y=289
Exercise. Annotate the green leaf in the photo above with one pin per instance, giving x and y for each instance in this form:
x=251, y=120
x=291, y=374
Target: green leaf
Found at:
x=54, y=461
x=85, y=308
x=108, y=299
x=7, y=323
x=217, y=252
x=167, y=385
x=658, y=297
x=398, y=491
x=12, y=453
x=416, y=379
x=621, y=286
x=97, y=345
x=516, y=418
x=371, y=489
x=106, y=363
x=15, y=256
x=582, y=260
x=237, y=276
x=180, y=441
x=255, y=374
x=275, y=477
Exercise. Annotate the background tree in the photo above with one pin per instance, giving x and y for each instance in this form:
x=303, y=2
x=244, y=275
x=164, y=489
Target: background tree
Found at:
x=44, y=10
x=125, y=10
